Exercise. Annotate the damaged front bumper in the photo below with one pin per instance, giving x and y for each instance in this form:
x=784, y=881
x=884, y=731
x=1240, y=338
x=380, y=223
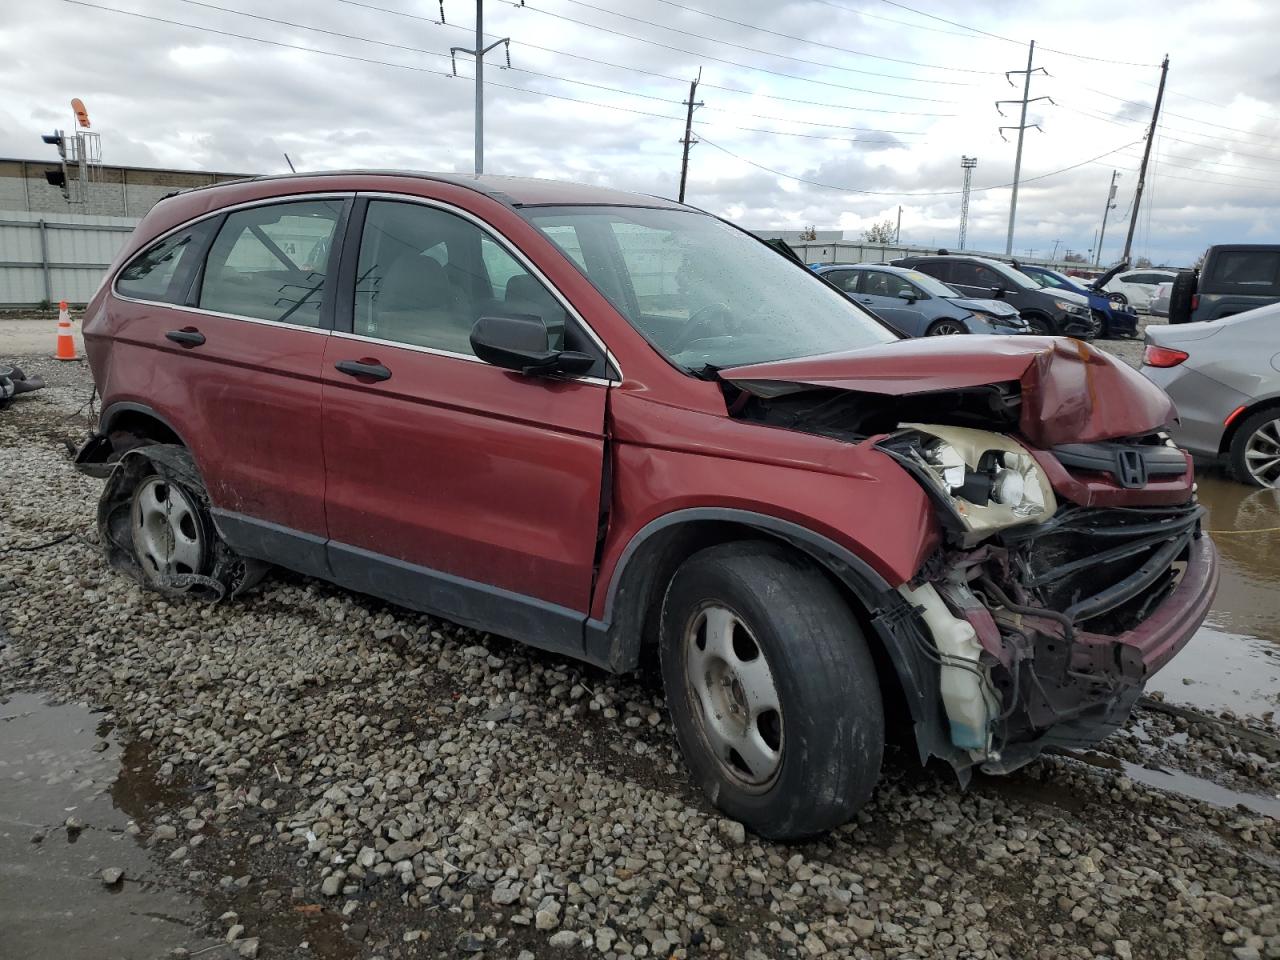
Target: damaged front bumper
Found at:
x=1035, y=652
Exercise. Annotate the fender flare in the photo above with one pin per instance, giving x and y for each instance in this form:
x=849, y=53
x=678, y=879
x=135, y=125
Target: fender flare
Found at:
x=615, y=642
x=110, y=413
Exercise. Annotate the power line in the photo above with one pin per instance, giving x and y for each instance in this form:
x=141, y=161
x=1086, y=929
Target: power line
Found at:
x=532, y=73
x=1144, y=106
x=789, y=36
x=890, y=193
x=996, y=36
x=770, y=53
x=447, y=76
x=658, y=74
x=901, y=23
x=1217, y=142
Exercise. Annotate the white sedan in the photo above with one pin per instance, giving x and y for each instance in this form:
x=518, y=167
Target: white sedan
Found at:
x=1137, y=287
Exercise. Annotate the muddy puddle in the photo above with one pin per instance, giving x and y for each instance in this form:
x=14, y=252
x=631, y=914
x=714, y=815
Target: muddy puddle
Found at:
x=1183, y=784
x=1234, y=661
x=59, y=762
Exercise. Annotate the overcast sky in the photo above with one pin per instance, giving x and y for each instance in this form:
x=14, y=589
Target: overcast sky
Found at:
x=863, y=95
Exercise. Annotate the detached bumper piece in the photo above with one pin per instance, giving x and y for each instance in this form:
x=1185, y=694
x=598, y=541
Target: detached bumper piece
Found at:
x=1076, y=614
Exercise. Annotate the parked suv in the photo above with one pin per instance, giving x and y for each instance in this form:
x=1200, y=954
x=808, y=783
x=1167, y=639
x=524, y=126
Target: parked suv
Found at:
x=1233, y=278
x=608, y=425
x=1114, y=319
x=1047, y=311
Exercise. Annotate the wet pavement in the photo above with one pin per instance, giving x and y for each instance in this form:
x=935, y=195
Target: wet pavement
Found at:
x=1234, y=661
x=68, y=794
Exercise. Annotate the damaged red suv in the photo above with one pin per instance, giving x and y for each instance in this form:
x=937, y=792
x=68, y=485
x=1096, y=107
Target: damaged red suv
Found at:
x=607, y=424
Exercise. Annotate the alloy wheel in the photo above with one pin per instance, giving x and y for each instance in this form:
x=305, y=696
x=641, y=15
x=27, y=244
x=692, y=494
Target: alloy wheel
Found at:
x=735, y=696
x=167, y=538
x=946, y=328
x=1262, y=454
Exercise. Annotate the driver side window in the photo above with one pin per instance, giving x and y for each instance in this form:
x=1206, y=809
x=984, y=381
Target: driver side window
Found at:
x=425, y=276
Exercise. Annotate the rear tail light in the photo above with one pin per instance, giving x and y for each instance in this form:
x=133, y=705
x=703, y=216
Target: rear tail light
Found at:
x=1195, y=301
x=1154, y=356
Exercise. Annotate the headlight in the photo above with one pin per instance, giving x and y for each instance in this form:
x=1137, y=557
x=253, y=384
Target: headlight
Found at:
x=1003, y=319
x=1069, y=307
x=985, y=481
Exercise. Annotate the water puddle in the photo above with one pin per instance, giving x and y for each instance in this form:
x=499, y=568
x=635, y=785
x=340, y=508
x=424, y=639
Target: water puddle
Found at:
x=1233, y=662
x=1183, y=784
x=58, y=761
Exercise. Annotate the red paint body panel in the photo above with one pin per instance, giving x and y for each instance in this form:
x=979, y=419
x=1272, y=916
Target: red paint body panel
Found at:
x=467, y=469
x=1071, y=392
x=247, y=401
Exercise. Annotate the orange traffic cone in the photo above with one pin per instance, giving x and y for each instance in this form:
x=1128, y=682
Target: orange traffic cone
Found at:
x=66, y=342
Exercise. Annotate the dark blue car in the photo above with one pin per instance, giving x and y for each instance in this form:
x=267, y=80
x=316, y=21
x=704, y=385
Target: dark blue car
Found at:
x=918, y=305
x=1114, y=319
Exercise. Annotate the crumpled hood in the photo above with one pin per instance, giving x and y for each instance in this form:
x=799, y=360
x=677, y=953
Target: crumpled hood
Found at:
x=997, y=307
x=1071, y=392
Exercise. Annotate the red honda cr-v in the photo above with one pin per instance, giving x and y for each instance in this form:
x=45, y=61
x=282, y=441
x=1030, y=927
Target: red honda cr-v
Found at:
x=599, y=422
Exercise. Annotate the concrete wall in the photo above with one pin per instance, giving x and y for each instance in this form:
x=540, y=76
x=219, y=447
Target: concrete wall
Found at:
x=114, y=191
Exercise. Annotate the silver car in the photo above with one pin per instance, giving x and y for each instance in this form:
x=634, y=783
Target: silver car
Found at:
x=1224, y=378
x=1160, y=302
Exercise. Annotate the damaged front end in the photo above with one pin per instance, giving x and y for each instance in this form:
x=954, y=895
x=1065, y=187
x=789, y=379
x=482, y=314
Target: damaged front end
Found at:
x=1065, y=609
x=1071, y=564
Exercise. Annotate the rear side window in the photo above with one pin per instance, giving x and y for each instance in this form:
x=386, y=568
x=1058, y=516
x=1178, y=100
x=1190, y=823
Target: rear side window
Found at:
x=1255, y=272
x=941, y=271
x=163, y=271
x=270, y=262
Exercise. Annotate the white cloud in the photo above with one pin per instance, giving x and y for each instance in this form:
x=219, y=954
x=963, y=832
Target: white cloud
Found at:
x=166, y=94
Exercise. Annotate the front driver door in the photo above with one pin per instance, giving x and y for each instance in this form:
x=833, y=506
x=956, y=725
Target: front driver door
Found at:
x=881, y=289
x=454, y=486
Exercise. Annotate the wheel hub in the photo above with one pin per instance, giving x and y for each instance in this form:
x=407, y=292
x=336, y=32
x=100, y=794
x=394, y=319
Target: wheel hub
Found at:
x=735, y=696
x=1262, y=454
x=167, y=538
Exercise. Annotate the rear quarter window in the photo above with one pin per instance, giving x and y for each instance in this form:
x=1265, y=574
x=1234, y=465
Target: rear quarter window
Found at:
x=162, y=272
x=1250, y=272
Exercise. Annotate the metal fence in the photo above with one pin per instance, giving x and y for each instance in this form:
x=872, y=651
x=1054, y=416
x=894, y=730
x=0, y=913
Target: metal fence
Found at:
x=47, y=257
x=853, y=251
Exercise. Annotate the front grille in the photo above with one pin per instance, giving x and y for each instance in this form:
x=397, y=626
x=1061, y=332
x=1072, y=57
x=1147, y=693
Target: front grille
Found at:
x=1106, y=568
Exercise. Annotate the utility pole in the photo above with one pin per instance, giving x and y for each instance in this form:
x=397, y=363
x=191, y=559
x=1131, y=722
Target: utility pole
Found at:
x=1022, y=129
x=688, y=140
x=966, y=164
x=1110, y=205
x=478, y=52
x=897, y=234
x=1054, y=255
x=1146, y=155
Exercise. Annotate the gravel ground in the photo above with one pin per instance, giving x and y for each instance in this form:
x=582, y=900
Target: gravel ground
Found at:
x=335, y=777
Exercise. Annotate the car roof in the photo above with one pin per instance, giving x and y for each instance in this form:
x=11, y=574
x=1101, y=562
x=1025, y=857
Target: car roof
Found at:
x=513, y=191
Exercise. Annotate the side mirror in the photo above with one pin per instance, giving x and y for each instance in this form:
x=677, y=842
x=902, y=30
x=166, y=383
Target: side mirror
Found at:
x=522, y=342
x=908, y=295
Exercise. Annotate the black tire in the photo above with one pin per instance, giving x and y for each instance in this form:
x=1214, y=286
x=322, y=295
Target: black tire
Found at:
x=829, y=726
x=1041, y=324
x=1180, y=294
x=1265, y=443
x=1102, y=325
x=1119, y=298
x=945, y=327
x=184, y=556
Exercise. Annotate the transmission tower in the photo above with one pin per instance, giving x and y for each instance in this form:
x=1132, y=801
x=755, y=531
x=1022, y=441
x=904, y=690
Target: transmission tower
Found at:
x=967, y=164
x=1021, y=128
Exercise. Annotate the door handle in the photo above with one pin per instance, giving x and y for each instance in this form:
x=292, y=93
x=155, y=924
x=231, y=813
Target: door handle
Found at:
x=187, y=336
x=364, y=369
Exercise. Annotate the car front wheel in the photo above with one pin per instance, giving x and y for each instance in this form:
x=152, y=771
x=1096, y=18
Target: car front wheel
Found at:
x=946, y=328
x=771, y=688
x=1255, y=449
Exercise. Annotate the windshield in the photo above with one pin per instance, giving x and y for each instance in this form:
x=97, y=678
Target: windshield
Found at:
x=931, y=285
x=702, y=292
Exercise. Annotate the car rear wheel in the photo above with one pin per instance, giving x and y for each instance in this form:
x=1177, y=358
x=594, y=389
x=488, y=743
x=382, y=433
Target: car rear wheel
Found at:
x=946, y=328
x=1255, y=450
x=155, y=525
x=771, y=688
x=1119, y=298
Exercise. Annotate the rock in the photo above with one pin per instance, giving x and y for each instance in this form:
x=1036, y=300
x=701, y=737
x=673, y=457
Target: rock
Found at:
x=864, y=927
x=402, y=850
x=564, y=938
x=332, y=885
x=505, y=893
x=1123, y=949
x=732, y=832
x=546, y=920
x=249, y=948
x=166, y=831
x=111, y=876
x=234, y=933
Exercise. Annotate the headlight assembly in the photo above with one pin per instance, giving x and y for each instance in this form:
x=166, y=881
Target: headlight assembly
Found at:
x=983, y=481
x=1068, y=307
